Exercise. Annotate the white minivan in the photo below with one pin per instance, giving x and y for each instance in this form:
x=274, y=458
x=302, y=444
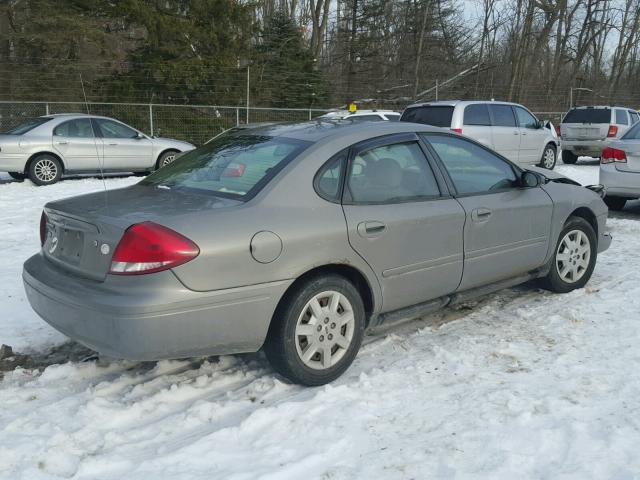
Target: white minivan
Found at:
x=508, y=128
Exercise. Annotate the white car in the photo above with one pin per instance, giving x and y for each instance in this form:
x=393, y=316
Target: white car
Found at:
x=508, y=128
x=620, y=169
x=44, y=148
x=362, y=115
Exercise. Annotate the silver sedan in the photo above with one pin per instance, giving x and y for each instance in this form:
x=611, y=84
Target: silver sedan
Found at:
x=619, y=169
x=299, y=237
x=45, y=148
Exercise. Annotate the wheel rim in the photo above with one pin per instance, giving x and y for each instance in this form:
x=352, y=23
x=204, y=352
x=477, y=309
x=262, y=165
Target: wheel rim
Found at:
x=324, y=330
x=168, y=159
x=549, y=158
x=573, y=255
x=46, y=170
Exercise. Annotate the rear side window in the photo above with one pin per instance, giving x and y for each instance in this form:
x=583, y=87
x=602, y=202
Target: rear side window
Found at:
x=477, y=114
x=391, y=174
x=634, y=117
x=502, y=115
x=328, y=178
x=621, y=117
x=438, y=116
x=27, y=126
x=79, y=128
x=588, y=115
x=472, y=168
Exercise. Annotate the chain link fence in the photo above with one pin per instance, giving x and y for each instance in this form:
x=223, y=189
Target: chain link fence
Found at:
x=193, y=123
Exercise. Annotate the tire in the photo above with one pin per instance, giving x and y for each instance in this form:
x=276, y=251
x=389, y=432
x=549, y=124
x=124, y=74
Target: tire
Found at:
x=549, y=157
x=569, y=157
x=615, y=203
x=17, y=175
x=166, y=158
x=294, y=331
x=579, y=259
x=45, y=169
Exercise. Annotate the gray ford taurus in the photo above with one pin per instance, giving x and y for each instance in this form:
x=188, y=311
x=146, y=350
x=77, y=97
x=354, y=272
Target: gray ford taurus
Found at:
x=296, y=238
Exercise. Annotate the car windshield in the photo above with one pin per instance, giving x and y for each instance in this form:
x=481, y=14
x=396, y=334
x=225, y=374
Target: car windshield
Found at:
x=588, y=115
x=633, y=133
x=234, y=166
x=27, y=126
x=438, y=116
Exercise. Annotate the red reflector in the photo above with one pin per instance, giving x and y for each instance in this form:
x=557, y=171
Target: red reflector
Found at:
x=457, y=130
x=613, y=131
x=148, y=247
x=610, y=155
x=43, y=228
x=234, y=170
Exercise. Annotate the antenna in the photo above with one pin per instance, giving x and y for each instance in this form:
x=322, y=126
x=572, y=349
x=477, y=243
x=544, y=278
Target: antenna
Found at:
x=95, y=142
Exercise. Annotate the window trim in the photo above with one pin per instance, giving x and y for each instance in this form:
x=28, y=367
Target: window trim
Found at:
x=516, y=169
x=341, y=178
x=387, y=140
x=93, y=130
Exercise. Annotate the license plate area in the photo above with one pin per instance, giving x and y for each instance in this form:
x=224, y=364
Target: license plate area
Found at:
x=66, y=239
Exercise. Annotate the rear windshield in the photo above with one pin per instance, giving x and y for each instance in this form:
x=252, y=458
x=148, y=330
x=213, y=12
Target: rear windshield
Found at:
x=438, y=116
x=633, y=133
x=234, y=166
x=588, y=115
x=29, y=125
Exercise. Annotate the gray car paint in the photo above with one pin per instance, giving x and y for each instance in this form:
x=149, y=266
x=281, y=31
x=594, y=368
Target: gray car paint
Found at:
x=223, y=300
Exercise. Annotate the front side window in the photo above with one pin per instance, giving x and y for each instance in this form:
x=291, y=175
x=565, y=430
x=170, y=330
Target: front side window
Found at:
x=472, y=168
x=111, y=129
x=477, y=114
x=502, y=115
x=79, y=128
x=621, y=117
x=391, y=174
x=234, y=166
x=27, y=126
x=525, y=119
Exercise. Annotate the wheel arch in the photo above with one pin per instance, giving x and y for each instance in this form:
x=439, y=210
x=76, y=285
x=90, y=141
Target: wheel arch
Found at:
x=162, y=152
x=46, y=152
x=586, y=214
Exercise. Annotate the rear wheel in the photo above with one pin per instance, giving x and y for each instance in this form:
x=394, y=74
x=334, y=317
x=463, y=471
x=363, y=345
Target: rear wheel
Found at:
x=17, y=175
x=548, y=159
x=574, y=258
x=317, y=331
x=569, y=157
x=615, y=203
x=45, y=170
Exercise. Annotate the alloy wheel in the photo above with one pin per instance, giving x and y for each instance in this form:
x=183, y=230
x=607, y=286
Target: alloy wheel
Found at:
x=168, y=159
x=549, y=158
x=573, y=255
x=324, y=330
x=46, y=170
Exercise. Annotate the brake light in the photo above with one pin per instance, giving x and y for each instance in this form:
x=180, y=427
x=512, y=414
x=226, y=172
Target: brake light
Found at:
x=43, y=228
x=234, y=170
x=613, y=131
x=557, y=127
x=457, y=130
x=611, y=155
x=148, y=247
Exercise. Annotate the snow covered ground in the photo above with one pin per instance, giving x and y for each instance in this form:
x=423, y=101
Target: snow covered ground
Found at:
x=521, y=384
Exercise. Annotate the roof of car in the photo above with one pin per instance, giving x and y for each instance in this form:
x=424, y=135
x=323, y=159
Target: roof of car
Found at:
x=582, y=107
x=453, y=103
x=346, y=113
x=316, y=130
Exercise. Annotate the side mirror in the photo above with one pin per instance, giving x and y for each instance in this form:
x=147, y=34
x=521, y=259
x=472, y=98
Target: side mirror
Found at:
x=540, y=124
x=530, y=179
x=139, y=136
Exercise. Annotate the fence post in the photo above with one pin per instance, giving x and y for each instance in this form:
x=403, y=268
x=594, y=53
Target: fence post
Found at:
x=309, y=114
x=237, y=116
x=151, y=118
x=46, y=108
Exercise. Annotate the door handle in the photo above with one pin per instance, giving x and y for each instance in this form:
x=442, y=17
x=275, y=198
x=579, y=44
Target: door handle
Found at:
x=371, y=228
x=112, y=144
x=516, y=133
x=63, y=143
x=524, y=133
x=481, y=214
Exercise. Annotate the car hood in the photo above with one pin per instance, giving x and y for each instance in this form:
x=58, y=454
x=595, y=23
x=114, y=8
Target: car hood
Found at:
x=551, y=175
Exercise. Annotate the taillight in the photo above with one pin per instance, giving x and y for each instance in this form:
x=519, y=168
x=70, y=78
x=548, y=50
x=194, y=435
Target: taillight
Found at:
x=43, y=228
x=610, y=155
x=457, y=130
x=148, y=247
x=557, y=127
x=613, y=131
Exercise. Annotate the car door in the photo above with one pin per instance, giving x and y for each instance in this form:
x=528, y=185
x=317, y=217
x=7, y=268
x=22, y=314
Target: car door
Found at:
x=476, y=123
x=505, y=131
x=76, y=143
x=124, y=148
x=532, y=137
x=402, y=221
x=507, y=226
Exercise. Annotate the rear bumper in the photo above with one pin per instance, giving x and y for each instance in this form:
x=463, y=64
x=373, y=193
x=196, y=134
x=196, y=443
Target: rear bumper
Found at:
x=589, y=148
x=619, y=183
x=151, y=317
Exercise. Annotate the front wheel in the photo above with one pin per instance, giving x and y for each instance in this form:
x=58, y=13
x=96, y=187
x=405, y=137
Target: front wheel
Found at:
x=45, y=170
x=574, y=258
x=548, y=159
x=317, y=330
x=166, y=158
x=615, y=203
x=569, y=157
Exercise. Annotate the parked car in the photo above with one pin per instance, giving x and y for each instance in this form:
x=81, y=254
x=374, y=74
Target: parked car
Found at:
x=587, y=131
x=44, y=148
x=620, y=169
x=298, y=237
x=362, y=115
x=508, y=128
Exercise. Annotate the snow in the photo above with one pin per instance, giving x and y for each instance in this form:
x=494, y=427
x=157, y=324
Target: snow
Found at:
x=520, y=384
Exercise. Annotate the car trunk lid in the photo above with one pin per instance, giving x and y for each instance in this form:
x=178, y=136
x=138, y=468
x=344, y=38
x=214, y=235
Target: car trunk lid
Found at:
x=632, y=150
